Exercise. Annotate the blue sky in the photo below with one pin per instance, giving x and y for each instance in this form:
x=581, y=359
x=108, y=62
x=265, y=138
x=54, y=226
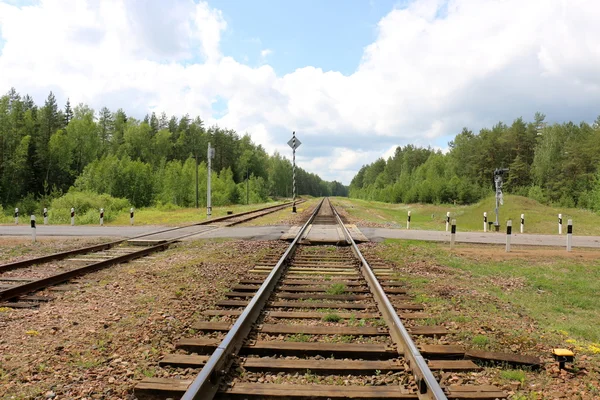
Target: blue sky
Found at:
x=328, y=34
x=353, y=78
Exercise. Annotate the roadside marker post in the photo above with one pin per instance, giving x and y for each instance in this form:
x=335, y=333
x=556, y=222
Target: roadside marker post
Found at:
x=508, y=233
x=485, y=222
x=447, y=220
x=45, y=216
x=131, y=215
x=16, y=216
x=453, y=234
x=569, y=234
x=72, y=216
x=102, y=217
x=560, y=224
x=33, y=228
x=408, y=221
x=522, y=222
x=294, y=143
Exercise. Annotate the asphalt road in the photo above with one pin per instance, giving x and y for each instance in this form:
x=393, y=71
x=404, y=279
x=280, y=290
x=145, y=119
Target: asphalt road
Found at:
x=274, y=232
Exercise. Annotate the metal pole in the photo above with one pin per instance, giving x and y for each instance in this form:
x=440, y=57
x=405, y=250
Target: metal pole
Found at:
x=485, y=222
x=208, y=196
x=196, y=157
x=522, y=222
x=294, y=171
x=560, y=224
x=508, y=233
x=33, y=228
x=569, y=234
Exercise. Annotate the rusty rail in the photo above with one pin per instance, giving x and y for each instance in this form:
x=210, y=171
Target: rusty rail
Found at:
x=207, y=382
x=428, y=386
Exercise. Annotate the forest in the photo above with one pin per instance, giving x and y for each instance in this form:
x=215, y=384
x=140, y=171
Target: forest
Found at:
x=551, y=163
x=47, y=151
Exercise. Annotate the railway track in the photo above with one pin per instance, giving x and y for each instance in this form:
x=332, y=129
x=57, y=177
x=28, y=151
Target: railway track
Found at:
x=317, y=322
x=18, y=280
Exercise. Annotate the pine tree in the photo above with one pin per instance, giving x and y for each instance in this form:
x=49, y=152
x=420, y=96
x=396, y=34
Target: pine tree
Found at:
x=68, y=113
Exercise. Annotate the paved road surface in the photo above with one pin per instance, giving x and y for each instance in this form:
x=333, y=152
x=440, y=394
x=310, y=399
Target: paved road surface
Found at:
x=274, y=232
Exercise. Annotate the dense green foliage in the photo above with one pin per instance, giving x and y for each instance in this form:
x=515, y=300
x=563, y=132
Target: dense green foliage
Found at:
x=45, y=152
x=555, y=163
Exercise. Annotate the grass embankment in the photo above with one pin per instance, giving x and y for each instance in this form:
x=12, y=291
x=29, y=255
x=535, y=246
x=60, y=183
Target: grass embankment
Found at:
x=558, y=290
x=538, y=217
x=147, y=216
x=527, y=303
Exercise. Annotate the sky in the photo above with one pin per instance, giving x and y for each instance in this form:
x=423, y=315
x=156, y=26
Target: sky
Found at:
x=353, y=78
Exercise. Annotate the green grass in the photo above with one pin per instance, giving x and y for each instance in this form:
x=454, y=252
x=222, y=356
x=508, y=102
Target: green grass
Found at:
x=513, y=375
x=538, y=218
x=336, y=288
x=298, y=337
x=480, y=341
x=560, y=293
x=332, y=318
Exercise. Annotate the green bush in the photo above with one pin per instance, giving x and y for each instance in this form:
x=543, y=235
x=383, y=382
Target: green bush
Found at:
x=87, y=207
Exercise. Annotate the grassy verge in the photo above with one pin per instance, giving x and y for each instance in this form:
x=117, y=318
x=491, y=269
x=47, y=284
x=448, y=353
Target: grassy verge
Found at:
x=538, y=218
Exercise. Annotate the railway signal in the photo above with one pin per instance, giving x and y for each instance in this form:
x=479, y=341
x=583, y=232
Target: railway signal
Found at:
x=498, y=181
x=294, y=143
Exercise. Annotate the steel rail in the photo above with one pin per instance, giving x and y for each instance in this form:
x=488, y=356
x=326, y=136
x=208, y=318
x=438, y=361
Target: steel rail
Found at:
x=109, y=245
x=19, y=290
x=206, y=384
x=428, y=386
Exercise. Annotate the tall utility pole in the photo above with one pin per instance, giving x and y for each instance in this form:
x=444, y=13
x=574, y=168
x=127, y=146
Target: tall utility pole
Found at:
x=209, y=156
x=247, y=180
x=498, y=180
x=196, y=157
x=294, y=144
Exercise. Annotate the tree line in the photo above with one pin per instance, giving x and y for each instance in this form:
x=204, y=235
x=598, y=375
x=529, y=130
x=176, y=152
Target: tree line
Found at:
x=552, y=163
x=46, y=151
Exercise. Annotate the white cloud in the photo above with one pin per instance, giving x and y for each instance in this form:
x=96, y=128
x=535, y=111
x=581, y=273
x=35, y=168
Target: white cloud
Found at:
x=423, y=78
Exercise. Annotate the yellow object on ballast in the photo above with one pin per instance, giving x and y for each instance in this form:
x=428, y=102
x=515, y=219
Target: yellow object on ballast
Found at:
x=563, y=352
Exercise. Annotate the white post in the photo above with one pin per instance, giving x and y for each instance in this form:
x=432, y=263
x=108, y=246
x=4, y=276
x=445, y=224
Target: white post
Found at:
x=408, y=221
x=33, y=228
x=447, y=220
x=522, y=222
x=16, y=216
x=560, y=224
x=131, y=215
x=569, y=234
x=508, y=233
x=485, y=222
x=45, y=216
x=72, y=216
x=453, y=234
x=102, y=217
x=208, y=184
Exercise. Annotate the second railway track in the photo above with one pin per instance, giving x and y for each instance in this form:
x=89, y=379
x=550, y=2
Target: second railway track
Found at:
x=19, y=280
x=317, y=322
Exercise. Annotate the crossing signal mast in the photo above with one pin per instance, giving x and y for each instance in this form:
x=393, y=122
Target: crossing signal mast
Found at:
x=499, y=174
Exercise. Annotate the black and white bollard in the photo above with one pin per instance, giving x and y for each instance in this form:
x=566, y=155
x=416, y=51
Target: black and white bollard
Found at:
x=508, y=233
x=569, y=234
x=522, y=222
x=72, y=216
x=447, y=220
x=102, y=217
x=453, y=234
x=45, y=216
x=560, y=224
x=131, y=215
x=33, y=228
x=16, y=216
x=485, y=222
x=408, y=221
